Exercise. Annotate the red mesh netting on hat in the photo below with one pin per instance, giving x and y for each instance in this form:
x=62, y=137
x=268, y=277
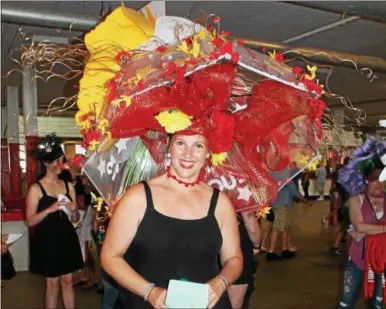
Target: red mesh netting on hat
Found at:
x=203, y=95
x=262, y=134
x=138, y=117
x=257, y=138
x=266, y=122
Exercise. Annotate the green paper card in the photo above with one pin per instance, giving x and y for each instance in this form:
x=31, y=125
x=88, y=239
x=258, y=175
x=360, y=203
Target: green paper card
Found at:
x=185, y=294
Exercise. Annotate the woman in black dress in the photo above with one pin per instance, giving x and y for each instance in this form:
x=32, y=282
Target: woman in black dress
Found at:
x=55, y=250
x=174, y=227
x=249, y=229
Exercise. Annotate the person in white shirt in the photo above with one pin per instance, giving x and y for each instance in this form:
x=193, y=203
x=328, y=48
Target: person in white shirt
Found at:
x=321, y=175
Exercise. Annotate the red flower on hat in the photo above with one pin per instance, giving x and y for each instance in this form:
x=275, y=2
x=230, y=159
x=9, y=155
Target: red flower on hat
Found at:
x=221, y=135
x=227, y=48
x=297, y=70
x=224, y=33
x=312, y=86
x=213, y=56
x=218, y=42
x=123, y=57
x=279, y=57
x=91, y=136
x=161, y=49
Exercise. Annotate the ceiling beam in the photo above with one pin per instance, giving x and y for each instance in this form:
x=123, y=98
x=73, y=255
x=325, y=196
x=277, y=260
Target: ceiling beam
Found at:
x=359, y=103
x=364, y=13
x=320, y=56
x=330, y=26
x=375, y=114
x=12, y=14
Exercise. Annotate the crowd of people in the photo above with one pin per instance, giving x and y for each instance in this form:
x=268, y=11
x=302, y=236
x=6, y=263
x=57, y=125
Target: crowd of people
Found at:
x=199, y=240
x=199, y=115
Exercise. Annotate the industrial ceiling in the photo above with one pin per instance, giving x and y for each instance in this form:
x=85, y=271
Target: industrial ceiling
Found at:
x=346, y=30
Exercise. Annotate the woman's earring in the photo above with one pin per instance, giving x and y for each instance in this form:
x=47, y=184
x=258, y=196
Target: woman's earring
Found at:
x=168, y=159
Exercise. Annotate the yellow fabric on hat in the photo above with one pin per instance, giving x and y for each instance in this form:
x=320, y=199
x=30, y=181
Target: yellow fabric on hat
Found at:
x=174, y=120
x=218, y=158
x=122, y=30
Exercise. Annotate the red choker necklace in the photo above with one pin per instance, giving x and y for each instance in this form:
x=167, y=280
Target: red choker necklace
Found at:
x=186, y=184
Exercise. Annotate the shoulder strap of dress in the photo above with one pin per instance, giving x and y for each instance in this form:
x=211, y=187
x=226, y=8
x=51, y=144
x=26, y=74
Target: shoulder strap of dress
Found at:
x=67, y=189
x=149, y=197
x=371, y=207
x=361, y=199
x=213, y=201
x=42, y=188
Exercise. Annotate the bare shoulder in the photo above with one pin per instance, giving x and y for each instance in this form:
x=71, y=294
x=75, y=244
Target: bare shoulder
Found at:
x=356, y=201
x=225, y=213
x=133, y=200
x=224, y=205
x=35, y=190
x=34, y=187
x=34, y=195
x=135, y=193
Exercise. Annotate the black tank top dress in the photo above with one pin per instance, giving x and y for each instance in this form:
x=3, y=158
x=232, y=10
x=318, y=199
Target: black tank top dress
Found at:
x=55, y=248
x=166, y=248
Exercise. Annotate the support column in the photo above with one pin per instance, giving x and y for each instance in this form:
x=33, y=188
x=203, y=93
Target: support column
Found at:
x=13, y=139
x=5, y=176
x=30, y=112
x=337, y=144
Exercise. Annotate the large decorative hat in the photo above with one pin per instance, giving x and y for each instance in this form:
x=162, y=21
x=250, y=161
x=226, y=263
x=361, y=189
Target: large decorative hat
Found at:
x=48, y=148
x=147, y=80
x=382, y=177
x=365, y=159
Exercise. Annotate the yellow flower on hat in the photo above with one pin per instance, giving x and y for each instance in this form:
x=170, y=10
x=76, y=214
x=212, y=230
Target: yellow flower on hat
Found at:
x=272, y=55
x=263, y=212
x=183, y=47
x=102, y=126
x=93, y=145
x=312, y=70
x=193, y=51
x=202, y=34
x=81, y=119
x=218, y=158
x=122, y=98
x=174, y=120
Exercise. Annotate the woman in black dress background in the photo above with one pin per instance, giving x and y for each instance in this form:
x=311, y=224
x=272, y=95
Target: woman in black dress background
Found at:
x=55, y=251
x=241, y=290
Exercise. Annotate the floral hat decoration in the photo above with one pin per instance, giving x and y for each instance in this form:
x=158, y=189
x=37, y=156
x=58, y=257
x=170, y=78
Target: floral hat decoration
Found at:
x=48, y=148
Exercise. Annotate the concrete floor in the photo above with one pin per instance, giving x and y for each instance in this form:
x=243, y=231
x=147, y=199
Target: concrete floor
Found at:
x=312, y=280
